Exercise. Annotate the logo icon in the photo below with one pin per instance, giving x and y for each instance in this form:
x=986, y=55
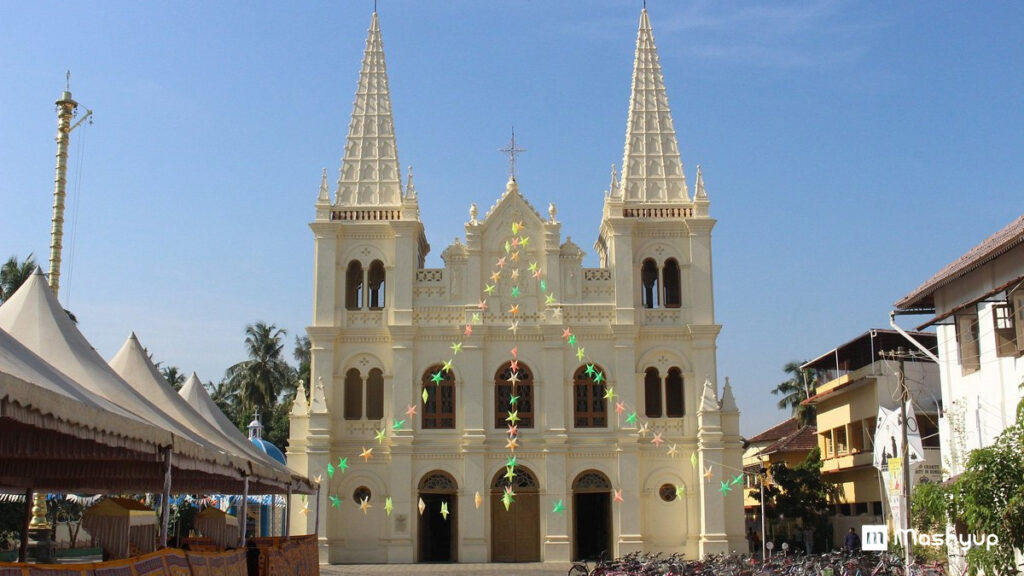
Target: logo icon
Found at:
x=876, y=537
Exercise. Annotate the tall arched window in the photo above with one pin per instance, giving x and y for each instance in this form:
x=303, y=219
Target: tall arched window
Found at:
x=505, y=387
x=375, y=395
x=652, y=393
x=354, y=285
x=439, y=409
x=674, y=406
x=590, y=410
x=671, y=279
x=649, y=284
x=375, y=282
x=353, y=395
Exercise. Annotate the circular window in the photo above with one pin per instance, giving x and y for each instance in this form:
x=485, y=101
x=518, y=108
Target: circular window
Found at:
x=362, y=493
x=667, y=492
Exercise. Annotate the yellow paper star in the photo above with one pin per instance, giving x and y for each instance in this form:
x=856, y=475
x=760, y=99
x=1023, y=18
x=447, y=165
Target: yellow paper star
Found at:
x=478, y=499
x=580, y=354
x=447, y=366
x=381, y=435
x=673, y=450
x=514, y=309
x=388, y=506
x=513, y=417
x=707, y=474
x=643, y=430
x=515, y=256
x=495, y=275
x=444, y=510
x=366, y=454
x=515, y=274
x=489, y=288
x=514, y=327
x=532, y=267
x=365, y=505
x=456, y=346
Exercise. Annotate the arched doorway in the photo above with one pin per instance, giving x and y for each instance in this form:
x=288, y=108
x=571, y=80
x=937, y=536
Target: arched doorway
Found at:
x=591, y=515
x=515, y=533
x=437, y=534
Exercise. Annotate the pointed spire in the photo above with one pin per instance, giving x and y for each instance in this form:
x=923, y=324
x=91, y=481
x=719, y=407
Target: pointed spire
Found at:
x=709, y=397
x=299, y=406
x=410, y=188
x=318, y=402
x=699, y=192
x=370, y=170
x=651, y=168
x=324, y=196
x=728, y=400
x=613, y=188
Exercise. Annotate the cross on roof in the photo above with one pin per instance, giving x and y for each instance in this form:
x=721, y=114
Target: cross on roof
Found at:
x=512, y=151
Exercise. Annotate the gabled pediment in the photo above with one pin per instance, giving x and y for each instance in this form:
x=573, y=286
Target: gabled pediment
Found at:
x=511, y=207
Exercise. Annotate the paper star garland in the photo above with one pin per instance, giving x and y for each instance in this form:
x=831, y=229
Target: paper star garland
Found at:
x=566, y=333
x=468, y=331
x=532, y=267
x=558, y=508
x=482, y=305
x=599, y=377
x=388, y=506
x=444, y=510
x=305, y=510
x=335, y=501
x=544, y=286
x=495, y=276
x=524, y=241
x=514, y=327
x=514, y=309
x=365, y=506
x=366, y=454
x=572, y=339
x=513, y=400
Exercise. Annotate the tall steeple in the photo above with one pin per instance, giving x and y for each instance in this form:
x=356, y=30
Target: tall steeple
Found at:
x=651, y=169
x=370, y=170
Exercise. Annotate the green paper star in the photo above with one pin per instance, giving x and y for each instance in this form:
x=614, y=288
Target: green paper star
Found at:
x=693, y=459
x=572, y=340
x=737, y=479
x=456, y=346
x=513, y=400
x=580, y=354
x=680, y=489
x=510, y=462
x=381, y=434
x=590, y=371
x=436, y=379
x=631, y=419
x=342, y=464
x=524, y=241
x=330, y=470
x=507, y=246
x=599, y=377
x=388, y=506
x=513, y=416
x=335, y=501
x=543, y=286
x=488, y=288
x=515, y=291
x=510, y=473
x=609, y=393
x=558, y=508
x=476, y=318
x=398, y=425
x=507, y=501
x=532, y=267
x=425, y=396
x=725, y=488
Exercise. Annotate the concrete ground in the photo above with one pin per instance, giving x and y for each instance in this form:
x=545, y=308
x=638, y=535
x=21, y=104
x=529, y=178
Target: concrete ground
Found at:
x=503, y=569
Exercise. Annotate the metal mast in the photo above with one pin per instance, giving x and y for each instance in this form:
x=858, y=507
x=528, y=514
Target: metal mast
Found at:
x=67, y=109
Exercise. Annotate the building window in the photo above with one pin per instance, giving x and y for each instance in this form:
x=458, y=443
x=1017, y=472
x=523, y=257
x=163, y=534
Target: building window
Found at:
x=1006, y=334
x=375, y=395
x=1017, y=299
x=652, y=393
x=362, y=494
x=354, y=285
x=439, y=409
x=967, y=342
x=375, y=281
x=590, y=410
x=667, y=493
x=674, y=404
x=929, y=430
x=671, y=279
x=827, y=446
x=353, y=395
x=649, y=284
x=507, y=387
x=857, y=436
x=839, y=436
x=869, y=433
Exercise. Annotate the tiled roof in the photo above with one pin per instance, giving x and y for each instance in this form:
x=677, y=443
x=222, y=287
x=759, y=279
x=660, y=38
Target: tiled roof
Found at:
x=803, y=439
x=776, y=432
x=989, y=249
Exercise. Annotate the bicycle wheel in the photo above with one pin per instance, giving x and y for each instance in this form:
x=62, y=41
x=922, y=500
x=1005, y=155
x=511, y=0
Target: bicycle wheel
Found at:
x=578, y=570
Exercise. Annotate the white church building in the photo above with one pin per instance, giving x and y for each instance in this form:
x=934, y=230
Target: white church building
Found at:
x=515, y=405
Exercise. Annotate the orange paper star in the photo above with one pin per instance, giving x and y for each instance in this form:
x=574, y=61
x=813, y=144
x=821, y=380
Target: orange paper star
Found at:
x=366, y=454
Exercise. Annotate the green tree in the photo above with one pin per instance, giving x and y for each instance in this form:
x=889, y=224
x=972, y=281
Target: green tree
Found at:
x=262, y=378
x=303, y=357
x=13, y=274
x=801, y=385
x=173, y=375
x=225, y=396
x=802, y=492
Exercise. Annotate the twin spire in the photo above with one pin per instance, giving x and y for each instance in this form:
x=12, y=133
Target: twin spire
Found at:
x=652, y=171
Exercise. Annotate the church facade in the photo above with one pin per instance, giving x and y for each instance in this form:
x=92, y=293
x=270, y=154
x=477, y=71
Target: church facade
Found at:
x=515, y=405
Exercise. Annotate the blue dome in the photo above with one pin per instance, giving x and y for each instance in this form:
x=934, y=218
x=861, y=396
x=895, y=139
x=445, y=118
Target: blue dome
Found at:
x=269, y=449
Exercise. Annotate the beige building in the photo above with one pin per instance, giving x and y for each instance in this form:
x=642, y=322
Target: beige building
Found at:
x=601, y=382
x=858, y=383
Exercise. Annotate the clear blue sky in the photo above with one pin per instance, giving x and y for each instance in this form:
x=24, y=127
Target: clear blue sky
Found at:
x=850, y=150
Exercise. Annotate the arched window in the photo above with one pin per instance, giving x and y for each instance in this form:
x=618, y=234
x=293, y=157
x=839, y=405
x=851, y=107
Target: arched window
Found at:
x=652, y=393
x=671, y=279
x=375, y=395
x=674, y=407
x=353, y=395
x=505, y=387
x=590, y=410
x=375, y=281
x=439, y=409
x=354, y=285
x=649, y=284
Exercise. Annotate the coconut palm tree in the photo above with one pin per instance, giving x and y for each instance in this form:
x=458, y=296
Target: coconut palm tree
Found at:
x=801, y=385
x=13, y=274
x=261, y=379
x=174, y=377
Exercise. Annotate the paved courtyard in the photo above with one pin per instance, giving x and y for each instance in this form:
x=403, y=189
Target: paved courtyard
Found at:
x=428, y=569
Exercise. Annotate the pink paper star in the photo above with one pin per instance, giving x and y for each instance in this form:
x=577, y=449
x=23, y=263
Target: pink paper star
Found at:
x=620, y=407
x=410, y=411
x=657, y=441
x=483, y=305
x=618, y=496
x=469, y=330
x=513, y=430
x=566, y=333
x=501, y=263
x=514, y=365
x=515, y=352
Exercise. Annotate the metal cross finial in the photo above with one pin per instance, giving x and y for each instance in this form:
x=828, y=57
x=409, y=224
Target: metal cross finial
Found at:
x=512, y=151
x=67, y=84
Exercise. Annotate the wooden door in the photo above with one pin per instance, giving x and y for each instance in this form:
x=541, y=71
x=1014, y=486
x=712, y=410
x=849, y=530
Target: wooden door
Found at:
x=515, y=533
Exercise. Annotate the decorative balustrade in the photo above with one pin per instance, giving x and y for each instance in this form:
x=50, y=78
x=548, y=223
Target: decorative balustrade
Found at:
x=676, y=212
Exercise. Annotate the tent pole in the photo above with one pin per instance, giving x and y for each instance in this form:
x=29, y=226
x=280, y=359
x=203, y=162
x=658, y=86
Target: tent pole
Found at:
x=288, y=513
x=244, y=520
x=23, y=548
x=165, y=502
